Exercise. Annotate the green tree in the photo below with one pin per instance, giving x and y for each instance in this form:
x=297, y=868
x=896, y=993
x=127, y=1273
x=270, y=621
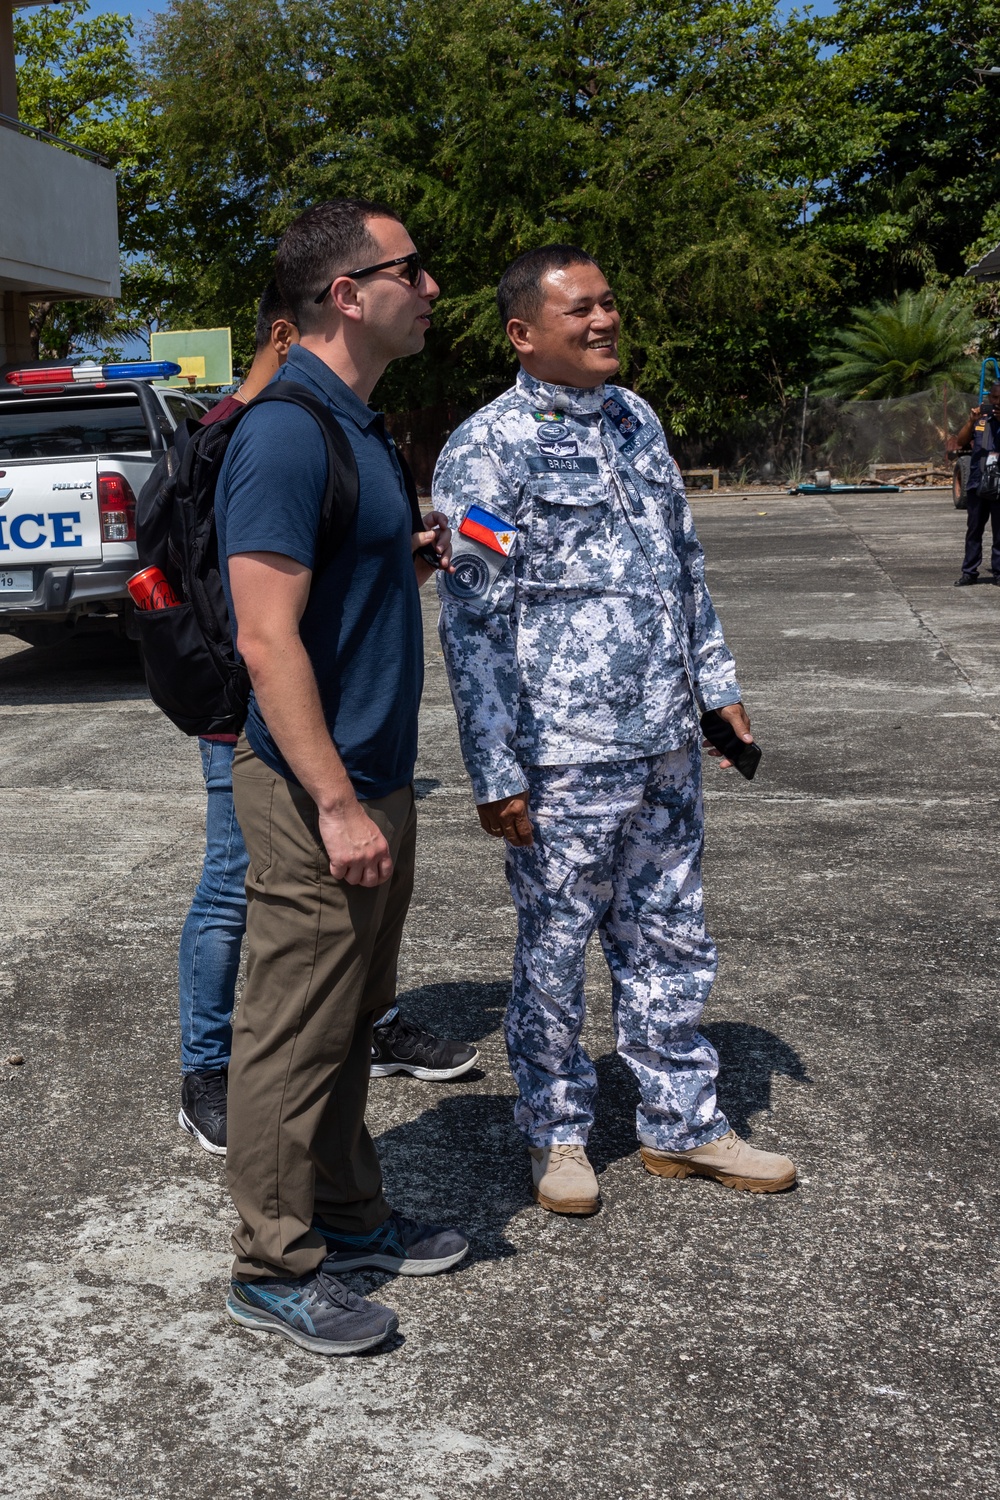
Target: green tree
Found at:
x=77, y=79
x=646, y=132
x=895, y=349
x=232, y=88
x=910, y=166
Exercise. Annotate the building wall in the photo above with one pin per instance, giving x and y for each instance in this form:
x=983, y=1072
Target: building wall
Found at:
x=59, y=219
x=59, y=226
x=58, y=233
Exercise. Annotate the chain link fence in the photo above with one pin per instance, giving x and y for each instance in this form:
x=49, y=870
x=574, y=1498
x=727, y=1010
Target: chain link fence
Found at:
x=852, y=440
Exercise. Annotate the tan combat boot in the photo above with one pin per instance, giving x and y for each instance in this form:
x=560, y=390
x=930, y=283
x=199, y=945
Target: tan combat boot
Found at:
x=563, y=1180
x=728, y=1160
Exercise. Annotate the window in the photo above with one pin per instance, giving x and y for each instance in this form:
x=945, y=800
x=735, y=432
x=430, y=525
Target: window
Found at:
x=72, y=428
x=180, y=407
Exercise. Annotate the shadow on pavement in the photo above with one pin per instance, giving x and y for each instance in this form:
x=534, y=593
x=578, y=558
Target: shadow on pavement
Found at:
x=460, y=1009
x=749, y=1059
x=97, y=668
x=461, y=1162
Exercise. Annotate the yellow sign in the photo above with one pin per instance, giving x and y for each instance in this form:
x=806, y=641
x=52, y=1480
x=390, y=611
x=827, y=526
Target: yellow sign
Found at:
x=206, y=354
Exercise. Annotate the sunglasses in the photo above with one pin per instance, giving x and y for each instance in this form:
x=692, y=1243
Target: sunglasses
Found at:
x=411, y=262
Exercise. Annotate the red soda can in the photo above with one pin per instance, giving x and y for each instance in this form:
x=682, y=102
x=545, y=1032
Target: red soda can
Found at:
x=150, y=590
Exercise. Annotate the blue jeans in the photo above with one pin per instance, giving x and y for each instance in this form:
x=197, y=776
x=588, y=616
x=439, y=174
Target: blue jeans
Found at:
x=209, y=957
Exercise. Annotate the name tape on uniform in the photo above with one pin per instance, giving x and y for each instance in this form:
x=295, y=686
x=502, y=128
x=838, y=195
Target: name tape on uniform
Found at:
x=543, y=464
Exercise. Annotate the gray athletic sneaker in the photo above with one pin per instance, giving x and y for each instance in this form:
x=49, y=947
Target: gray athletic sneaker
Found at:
x=405, y=1247
x=316, y=1311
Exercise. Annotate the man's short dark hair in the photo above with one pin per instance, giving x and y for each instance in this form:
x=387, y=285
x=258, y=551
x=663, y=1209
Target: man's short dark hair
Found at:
x=324, y=242
x=519, y=294
x=271, y=307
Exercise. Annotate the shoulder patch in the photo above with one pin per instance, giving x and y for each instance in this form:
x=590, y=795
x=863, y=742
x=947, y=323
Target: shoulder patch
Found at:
x=482, y=554
x=632, y=432
x=492, y=531
x=619, y=415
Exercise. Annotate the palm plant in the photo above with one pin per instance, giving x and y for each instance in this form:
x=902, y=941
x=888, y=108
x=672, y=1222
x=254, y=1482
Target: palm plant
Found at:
x=896, y=348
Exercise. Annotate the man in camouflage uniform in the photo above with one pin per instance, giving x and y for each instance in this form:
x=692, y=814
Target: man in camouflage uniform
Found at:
x=581, y=643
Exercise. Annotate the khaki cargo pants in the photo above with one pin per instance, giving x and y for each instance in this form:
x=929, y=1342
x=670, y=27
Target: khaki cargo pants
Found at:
x=321, y=967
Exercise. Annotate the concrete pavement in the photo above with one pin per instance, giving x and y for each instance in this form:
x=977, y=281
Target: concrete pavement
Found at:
x=687, y=1343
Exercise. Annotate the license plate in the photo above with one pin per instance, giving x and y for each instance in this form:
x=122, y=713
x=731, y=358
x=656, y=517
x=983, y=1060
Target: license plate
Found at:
x=16, y=581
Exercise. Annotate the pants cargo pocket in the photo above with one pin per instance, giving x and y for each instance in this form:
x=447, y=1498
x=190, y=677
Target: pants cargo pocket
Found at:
x=254, y=800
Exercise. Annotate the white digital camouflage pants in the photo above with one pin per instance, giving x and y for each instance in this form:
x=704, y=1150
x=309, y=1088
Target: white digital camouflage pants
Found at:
x=617, y=849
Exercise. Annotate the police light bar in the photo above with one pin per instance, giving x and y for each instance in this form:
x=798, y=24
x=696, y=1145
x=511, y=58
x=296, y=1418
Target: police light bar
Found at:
x=88, y=372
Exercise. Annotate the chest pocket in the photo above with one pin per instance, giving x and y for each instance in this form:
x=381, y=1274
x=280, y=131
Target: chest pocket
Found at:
x=657, y=467
x=571, y=535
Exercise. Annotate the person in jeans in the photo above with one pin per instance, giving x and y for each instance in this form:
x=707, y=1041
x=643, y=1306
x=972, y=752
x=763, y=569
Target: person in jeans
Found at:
x=212, y=936
x=323, y=788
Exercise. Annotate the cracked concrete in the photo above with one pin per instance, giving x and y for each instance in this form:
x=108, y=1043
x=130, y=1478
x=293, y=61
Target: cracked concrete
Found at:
x=688, y=1343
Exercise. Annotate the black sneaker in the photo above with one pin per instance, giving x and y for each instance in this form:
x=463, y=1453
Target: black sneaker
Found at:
x=966, y=579
x=400, y=1047
x=315, y=1311
x=203, y=1109
x=402, y=1246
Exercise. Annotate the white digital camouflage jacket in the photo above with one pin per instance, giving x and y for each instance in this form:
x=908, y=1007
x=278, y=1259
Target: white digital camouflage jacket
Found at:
x=577, y=622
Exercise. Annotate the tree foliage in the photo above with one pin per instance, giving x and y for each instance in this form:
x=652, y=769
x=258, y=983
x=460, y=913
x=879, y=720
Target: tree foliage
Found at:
x=636, y=130
x=897, y=348
x=77, y=78
x=744, y=175
x=913, y=166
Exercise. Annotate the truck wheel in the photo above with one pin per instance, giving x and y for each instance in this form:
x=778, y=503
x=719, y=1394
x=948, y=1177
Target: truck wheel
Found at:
x=959, y=479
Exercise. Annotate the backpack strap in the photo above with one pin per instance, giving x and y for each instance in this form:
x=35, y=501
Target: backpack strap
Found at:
x=340, y=499
x=409, y=484
x=417, y=521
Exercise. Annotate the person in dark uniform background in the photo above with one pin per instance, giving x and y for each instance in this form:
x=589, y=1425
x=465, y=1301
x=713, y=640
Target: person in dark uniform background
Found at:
x=983, y=488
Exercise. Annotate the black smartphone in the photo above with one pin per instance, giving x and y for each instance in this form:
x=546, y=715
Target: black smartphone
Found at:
x=720, y=733
x=429, y=555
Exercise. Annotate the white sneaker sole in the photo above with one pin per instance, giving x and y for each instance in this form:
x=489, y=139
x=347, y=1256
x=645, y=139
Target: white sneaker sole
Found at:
x=393, y=1264
x=202, y=1140
x=262, y=1322
x=426, y=1075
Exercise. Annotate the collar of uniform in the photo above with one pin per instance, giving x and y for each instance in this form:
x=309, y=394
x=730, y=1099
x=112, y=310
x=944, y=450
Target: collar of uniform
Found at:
x=569, y=398
x=303, y=365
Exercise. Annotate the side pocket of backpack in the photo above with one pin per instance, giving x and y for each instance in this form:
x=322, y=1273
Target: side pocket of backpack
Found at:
x=182, y=673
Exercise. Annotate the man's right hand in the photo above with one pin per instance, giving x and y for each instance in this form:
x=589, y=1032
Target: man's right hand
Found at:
x=356, y=847
x=508, y=819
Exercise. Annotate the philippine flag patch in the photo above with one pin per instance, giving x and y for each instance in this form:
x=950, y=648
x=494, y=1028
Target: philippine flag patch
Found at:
x=491, y=531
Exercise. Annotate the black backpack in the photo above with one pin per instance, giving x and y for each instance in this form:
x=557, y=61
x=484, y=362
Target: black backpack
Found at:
x=192, y=670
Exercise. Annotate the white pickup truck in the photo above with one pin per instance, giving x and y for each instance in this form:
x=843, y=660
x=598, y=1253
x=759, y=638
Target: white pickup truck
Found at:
x=72, y=460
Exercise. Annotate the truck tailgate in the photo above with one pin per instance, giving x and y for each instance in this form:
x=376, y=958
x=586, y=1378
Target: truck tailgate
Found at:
x=48, y=514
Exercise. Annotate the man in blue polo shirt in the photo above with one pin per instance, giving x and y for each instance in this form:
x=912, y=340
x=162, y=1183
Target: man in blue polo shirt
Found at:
x=322, y=785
